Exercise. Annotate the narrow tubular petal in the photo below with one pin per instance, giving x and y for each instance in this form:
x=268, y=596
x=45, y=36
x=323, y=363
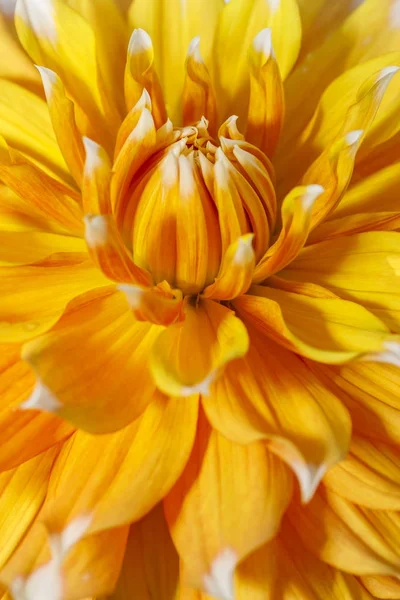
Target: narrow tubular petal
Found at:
x=236, y=273
x=327, y=330
x=348, y=537
x=360, y=268
x=266, y=105
x=47, y=289
x=96, y=180
x=107, y=250
x=62, y=114
x=229, y=500
x=198, y=94
x=271, y=395
x=285, y=569
x=239, y=23
x=140, y=75
x=150, y=569
x=138, y=466
x=375, y=467
x=157, y=305
x=297, y=210
x=23, y=490
x=59, y=38
x=26, y=126
x=56, y=201
x=188, y=357
x=85, y=391
x=171, y=36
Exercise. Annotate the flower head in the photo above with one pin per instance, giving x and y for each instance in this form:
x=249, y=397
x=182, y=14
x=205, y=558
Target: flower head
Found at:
x=199, y=307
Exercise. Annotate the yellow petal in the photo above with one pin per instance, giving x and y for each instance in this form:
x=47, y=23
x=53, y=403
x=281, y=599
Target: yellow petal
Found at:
x=104, y=329
x=171, y=34
x=239, y=23
x=157, y=305
x=109, y=253
x=47, y=289
x=236, y=272
x=57, y=37
x=26, y=126
x=374, y=466
x=150, y=568
x=348, y=537
x=327, y=330
x=297, y=210
x=59, y=203
x=141, y=75
x=96, y=180
x=285, y=569
x=357, y=267
x=198, y=94
x=270, y=395
x=229, y=500
x=266, y=105
x=188, y=357
x=138, y=466
x=62, y=114
x=382, y=587
x=23, y=490
x=25, y=247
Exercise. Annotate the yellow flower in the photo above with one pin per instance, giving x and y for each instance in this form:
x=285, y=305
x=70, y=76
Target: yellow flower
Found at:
x=200, y=299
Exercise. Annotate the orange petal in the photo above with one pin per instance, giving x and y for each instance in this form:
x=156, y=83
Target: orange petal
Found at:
x=375, y=468
x=271, y=395
x=229, y=500
x=382, y=587
x=138, y=466
x=150, y=568
x=236, y=272
x=27, y=247
x=109, y=253
x=57, y=202
x=267, y=103
x=23, y=490
x=198, y=94
x=161, y=307
x=84, y=390
x=296, y=222
x=62, y=114
x=327, y=330
x=188, y=357
x=348, y=537
x=47, y=287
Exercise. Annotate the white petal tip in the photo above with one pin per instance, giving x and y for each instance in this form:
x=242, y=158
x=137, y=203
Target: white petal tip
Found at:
x=140, y=42
x=309, y=197
x=61, y=543
x=274, y=5
x=41, y=399
x=49, y=80
x=194, y=50
x=389, y=355
x=262, y=43
x=219, y=581
x=387, y=72
x=244, y=254
x=96, y=230
x=133, y=294
x=353, y=137
x=7, y=7
x=309, y=477
x=38, y=15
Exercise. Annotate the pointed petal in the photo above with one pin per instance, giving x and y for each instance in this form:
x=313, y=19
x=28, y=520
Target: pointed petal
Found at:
x=267, y=103
x=48, y=287
x=198, y=94
x=109, y=253
x=236, y=272
x=104, y=329
x=271, y=395
x=327, y=330
x=156, y=305
x=96, y=180
x=62, y=114
x=297, y=210
x=138, y=466
x=150, y=569
x=224, y=517
x=188, y=357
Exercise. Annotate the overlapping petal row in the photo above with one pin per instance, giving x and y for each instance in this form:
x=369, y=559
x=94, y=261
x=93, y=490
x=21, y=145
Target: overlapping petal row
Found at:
x=200, y=300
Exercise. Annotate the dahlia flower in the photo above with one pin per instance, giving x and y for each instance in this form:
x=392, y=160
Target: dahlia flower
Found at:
x=199, y=299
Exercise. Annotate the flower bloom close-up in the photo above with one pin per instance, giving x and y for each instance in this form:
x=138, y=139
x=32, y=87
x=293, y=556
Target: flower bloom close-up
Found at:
x=199, y=299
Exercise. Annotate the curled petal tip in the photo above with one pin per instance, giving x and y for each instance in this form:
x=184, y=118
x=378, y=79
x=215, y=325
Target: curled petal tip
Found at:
x=219, y=581
x=262, y=43
x=312, y=193
x=140, y=42
x=353, y=137
x=96, y=230
x=41, y=399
